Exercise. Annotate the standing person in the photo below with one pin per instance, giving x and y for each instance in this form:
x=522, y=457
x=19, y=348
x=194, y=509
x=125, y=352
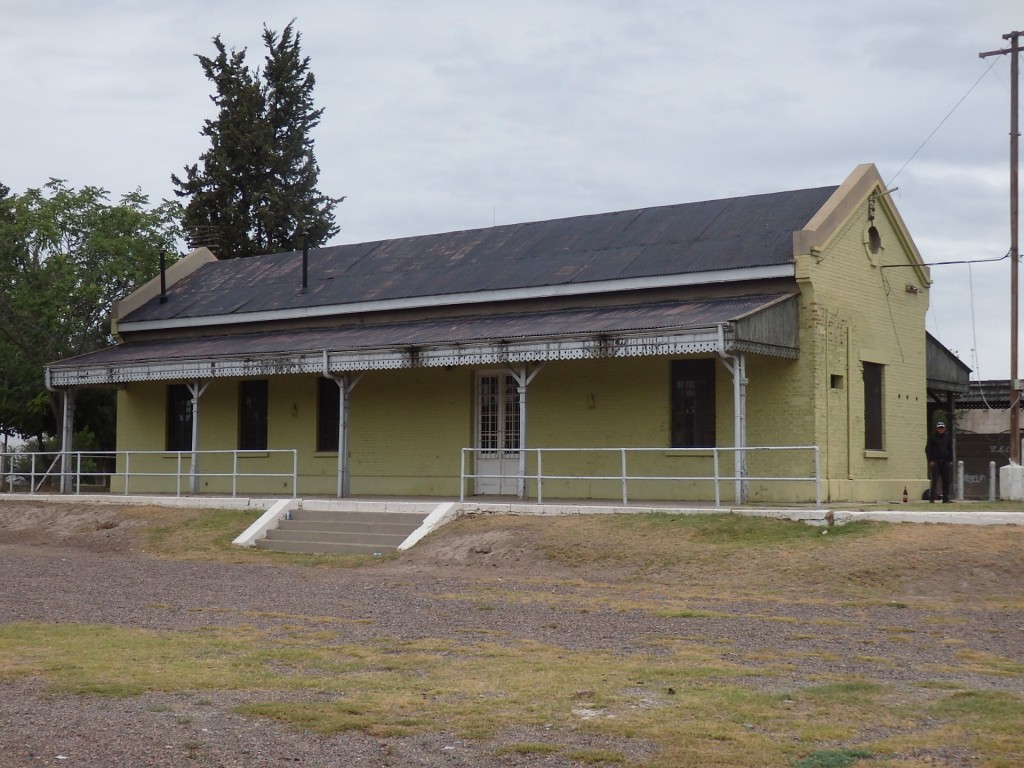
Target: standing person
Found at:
x=939, y=451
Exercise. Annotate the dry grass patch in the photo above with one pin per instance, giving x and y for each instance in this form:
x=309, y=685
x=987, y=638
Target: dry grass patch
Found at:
x=702, y=696
x=694, y=707
x=741, y=557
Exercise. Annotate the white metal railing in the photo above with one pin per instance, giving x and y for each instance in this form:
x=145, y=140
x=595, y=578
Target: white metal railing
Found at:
x=623, y=476
x=32, y=470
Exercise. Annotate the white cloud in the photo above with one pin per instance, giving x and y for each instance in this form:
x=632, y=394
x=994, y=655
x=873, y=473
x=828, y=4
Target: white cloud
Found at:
x=455, y=113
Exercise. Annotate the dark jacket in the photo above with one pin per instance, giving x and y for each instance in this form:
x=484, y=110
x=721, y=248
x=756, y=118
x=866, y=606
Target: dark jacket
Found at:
x=939, y=447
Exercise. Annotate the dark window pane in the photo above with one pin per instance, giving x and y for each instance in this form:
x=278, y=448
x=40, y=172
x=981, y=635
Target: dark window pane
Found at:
x=328, y=409
x=873, y=412
x=179, y=418
x=693, y=404
x=252, y=415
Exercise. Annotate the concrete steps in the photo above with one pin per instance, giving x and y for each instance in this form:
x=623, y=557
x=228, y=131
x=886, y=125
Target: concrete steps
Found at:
x=325, y=531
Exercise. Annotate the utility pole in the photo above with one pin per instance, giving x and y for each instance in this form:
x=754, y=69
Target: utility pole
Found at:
x=1014, y=38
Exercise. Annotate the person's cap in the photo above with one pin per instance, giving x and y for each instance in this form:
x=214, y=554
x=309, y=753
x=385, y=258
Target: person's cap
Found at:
x=940, y=425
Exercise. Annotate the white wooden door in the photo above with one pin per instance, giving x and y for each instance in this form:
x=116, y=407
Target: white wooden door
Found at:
x=497, y=433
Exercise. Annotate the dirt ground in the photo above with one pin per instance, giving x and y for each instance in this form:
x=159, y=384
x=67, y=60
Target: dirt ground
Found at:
x=86, y=563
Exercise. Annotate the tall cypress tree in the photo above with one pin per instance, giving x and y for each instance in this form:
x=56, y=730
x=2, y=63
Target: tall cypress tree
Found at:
x=255, y=190
x=297, y=207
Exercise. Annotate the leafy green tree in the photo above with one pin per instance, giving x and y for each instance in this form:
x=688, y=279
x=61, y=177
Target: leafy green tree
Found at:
x=255, y=189
x=66, y=255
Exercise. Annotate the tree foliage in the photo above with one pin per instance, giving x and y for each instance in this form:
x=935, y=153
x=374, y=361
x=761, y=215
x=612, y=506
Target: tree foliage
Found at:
x=255, y=189
x=66, y=255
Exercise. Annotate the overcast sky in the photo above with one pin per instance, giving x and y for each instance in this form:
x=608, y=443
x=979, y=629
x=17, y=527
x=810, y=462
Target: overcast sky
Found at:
x=456, y=114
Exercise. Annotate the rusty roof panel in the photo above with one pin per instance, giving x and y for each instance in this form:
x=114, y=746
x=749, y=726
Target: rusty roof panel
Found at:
x=671, y=315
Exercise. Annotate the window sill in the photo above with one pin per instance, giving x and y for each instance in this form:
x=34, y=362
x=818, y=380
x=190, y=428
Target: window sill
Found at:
x=252, y=454
x=689, y=452
x=876, y=454
x=324, y=454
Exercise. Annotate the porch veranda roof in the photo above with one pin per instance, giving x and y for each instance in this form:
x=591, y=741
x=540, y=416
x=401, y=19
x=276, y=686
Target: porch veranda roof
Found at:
x=761, y=324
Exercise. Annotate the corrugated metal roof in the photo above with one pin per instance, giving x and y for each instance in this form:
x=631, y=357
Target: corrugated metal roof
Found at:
x=691, y=238
x=444, y=331
x=946, y=372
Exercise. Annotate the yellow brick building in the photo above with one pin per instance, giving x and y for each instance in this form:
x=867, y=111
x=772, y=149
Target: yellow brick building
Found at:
x=548, y=358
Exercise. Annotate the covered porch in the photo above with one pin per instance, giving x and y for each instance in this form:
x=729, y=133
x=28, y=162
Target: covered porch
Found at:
x=507, y=353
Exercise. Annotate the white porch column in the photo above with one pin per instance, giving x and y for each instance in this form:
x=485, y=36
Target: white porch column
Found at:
x=523, y=377
x=67, y=432
x=195, y=389
x=736, y=365
x=344, y=390
x=346, y=383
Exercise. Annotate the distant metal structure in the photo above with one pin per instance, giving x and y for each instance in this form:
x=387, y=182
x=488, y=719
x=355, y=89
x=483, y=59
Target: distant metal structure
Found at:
x=204, y=236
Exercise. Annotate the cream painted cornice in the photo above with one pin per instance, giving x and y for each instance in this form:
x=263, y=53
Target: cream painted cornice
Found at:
x=837, y=209
x=845, y=203
x=177, y=271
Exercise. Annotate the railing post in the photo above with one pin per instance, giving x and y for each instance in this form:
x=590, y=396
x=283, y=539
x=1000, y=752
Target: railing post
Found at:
x=295, y=473
x=960, y=480
x=177, y=478
x=234, y=473
x=462, y=475
x=991, y=481
x=718, y=495
x=625, y=499
x=540, y=478
x=817, y=477
x=78, y=472
x=127, y=468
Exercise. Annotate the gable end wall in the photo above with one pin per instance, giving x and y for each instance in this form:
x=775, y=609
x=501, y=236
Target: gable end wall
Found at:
x=856, y=308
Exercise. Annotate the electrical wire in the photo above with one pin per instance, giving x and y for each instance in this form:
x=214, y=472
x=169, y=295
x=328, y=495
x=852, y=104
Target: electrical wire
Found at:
x=942, y=122
x=1004, y=257
x=974, y=334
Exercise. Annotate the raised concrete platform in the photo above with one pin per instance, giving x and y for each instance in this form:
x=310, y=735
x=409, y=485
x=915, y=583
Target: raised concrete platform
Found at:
x=376, y=525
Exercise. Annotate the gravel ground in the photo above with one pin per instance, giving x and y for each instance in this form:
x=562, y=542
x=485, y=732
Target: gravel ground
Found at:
x=77, y=565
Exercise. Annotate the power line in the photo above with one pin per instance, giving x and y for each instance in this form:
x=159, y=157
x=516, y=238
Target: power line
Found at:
x=942, y=122
x=1004, y=257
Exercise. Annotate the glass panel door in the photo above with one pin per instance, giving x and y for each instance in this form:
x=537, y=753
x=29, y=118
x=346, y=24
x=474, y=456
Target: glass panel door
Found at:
x=497, y=433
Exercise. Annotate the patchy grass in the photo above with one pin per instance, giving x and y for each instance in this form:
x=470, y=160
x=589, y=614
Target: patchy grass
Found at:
x=190, y=534
x=696, y=700
x=832, y=758
x=528, y=748
x=680, y=696
x=738, y=557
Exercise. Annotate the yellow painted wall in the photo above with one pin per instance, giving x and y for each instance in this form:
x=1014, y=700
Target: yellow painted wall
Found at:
x=407, y=427
x=142, y=427
x=626, y=403
x=854, y=311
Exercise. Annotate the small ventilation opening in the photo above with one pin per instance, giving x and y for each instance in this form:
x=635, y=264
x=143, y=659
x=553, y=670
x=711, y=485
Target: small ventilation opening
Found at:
x=874, y=239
